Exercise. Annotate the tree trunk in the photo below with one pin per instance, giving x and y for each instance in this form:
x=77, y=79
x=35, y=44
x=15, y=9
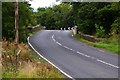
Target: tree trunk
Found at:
x=16, y=23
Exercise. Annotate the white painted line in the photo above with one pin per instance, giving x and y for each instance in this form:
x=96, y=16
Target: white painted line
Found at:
x=57, y=42
x=86, y=55
x=71, y=49
x=67, y=47
x=80, y=53
x=60, y=44
x=107, y=63
x=52, y=36
x=49, y=61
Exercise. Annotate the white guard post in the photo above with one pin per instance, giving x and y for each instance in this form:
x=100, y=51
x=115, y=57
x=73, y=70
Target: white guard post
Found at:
x=74, y=30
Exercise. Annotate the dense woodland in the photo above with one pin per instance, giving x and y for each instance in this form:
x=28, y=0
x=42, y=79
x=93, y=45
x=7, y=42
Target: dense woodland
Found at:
x=98, y=19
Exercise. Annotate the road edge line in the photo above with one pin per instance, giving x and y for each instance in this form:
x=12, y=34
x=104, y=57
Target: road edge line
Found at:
x=49, y=61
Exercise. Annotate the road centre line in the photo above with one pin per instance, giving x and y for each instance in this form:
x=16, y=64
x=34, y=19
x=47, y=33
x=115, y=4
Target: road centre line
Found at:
x=84, y=54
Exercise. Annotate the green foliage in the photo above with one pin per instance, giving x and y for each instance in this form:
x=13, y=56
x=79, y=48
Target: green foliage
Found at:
x=107, y=15
x=8, y=20
x=86, y=18
x=116, y=26
x=26, y=18
x=56, y=17
x=100, y=32
x=110, y=44
x=86, y=15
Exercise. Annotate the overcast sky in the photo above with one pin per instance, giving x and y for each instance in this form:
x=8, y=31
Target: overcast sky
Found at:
x=42, y=3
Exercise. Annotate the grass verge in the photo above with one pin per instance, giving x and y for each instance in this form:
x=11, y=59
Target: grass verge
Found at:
x=110, y=44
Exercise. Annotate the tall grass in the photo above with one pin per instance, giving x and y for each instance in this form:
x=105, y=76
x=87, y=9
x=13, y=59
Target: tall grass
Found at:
x=18, y=61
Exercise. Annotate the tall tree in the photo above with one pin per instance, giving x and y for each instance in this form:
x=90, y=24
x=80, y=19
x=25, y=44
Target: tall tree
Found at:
x=8, y=20
x=16, y=23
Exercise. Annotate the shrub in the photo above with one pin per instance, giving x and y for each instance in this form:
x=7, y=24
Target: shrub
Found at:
x=100, y=32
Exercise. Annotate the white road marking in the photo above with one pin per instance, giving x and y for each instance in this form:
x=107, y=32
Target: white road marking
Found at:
x=107, y=63
x=48, y=60
x=84, y=54
x=59, y=44
x=87, y=56
x=80, y=53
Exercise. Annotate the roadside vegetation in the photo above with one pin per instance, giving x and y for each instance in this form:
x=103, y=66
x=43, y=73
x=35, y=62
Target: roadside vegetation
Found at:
x=110, y=44
x=19, y=61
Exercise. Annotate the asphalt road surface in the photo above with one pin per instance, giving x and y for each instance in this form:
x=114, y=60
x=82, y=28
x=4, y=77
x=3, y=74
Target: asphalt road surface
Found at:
x=74, y=58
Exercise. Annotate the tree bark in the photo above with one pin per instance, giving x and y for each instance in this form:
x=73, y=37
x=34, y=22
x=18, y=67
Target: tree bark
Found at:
x=16, y=23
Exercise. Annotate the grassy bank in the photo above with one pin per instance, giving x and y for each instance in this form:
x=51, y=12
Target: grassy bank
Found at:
x=19, y=61
x=110, y=44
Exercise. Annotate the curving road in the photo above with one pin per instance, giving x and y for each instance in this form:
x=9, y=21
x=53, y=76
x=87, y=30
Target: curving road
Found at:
x=73, y=58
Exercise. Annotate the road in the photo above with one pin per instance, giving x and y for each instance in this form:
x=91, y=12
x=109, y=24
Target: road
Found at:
x=74, y=58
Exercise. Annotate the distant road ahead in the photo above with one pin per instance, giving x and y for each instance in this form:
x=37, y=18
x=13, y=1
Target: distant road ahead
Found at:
x=73, y=58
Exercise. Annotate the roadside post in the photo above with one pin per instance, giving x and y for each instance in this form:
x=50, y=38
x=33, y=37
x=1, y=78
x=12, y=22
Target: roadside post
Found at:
x=74, y=30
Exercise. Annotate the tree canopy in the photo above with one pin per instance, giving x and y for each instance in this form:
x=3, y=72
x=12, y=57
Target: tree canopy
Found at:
x=26, y=18
x=100, y=18
x=85, y=15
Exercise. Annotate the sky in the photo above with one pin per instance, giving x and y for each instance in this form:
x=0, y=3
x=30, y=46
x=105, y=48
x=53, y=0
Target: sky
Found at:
x=42, y=3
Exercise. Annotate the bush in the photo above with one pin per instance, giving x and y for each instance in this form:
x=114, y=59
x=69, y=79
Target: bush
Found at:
x=100, y=32
x=116, y=27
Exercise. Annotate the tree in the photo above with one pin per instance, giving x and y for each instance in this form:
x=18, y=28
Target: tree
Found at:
x=107, y=16
x=56, y=17
x=16, y=23
x=8, y=20
x=85, y=17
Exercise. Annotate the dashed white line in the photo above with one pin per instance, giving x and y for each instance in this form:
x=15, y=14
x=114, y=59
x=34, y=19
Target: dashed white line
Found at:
x=107, y=63
x=71, y=49
x=59, y=44
x=80, y=53
x=85, y=54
